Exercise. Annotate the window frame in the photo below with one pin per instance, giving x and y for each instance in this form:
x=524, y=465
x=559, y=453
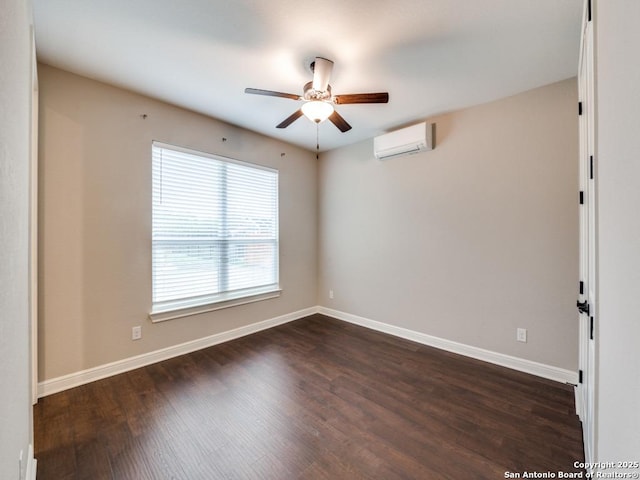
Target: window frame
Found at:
x=170, y=309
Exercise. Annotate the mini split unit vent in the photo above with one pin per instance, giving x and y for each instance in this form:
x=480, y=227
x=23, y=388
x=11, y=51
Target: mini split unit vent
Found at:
x=413, y=139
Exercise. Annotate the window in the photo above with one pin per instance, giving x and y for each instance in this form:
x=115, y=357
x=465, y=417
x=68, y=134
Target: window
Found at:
x=214, y=232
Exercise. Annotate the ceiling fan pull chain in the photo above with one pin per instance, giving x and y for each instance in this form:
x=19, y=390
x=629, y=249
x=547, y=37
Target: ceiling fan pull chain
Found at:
x=317, y=140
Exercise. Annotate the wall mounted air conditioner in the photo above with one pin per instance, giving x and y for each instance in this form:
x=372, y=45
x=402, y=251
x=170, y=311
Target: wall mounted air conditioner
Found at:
x=413, y=139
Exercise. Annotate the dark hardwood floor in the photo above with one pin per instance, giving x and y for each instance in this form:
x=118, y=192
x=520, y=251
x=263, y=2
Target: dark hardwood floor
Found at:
x=315, y=399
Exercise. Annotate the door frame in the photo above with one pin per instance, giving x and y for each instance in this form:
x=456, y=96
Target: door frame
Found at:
x=585, y=390
x=33, y=223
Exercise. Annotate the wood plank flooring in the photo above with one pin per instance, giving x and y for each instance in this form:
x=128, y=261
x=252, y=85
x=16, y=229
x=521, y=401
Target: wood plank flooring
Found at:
x=313, y=399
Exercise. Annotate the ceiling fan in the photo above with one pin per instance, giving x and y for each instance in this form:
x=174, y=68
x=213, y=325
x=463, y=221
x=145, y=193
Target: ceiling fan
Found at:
x=318, y=99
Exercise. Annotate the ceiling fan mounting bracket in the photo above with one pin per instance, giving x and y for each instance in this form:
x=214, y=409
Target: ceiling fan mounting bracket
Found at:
x=312, y=64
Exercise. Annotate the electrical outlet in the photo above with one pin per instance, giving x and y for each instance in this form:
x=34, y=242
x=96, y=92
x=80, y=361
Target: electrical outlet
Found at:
x=330, y=293
x=521, y=335
x=136, y=333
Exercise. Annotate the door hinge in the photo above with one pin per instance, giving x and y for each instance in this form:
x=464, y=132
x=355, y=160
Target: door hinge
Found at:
x=581, y=197
x=579, y=108
x=581, y=287
x=583, y=306
x=591, y=328
x=589, y=11
x=579, y=376
x=591, y=167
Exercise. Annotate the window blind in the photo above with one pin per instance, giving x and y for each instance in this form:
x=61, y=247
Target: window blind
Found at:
x=214, y=228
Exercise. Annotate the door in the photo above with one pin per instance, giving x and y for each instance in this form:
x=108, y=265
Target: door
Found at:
x=587, y=286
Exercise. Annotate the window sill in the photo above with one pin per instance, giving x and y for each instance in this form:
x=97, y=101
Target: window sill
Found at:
x=173, y=312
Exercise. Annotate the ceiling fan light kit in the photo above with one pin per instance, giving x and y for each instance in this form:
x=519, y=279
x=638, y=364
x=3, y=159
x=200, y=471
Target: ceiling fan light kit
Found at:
x=317, y=110
x=319, y=101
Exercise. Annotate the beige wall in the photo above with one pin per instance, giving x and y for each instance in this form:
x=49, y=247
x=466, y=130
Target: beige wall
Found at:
x=95, y=204
x=469, y=241
x=466, y=242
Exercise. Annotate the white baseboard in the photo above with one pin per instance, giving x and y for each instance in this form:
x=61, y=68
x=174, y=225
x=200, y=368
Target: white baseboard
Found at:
x=82, y=377
x=76, y=379
x=515, y=363
x=32, y=464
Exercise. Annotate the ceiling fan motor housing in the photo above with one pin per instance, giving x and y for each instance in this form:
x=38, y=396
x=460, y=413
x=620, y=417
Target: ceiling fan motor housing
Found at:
x=311, y=94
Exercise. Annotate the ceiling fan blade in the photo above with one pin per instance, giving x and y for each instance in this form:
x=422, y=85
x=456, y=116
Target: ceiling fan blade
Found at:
x=339, y=122
x=322, y=69
x=271, y=93
x=290, y=119
x=382, y=97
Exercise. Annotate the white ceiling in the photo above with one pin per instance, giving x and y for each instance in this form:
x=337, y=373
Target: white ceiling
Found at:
x=432, y=56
